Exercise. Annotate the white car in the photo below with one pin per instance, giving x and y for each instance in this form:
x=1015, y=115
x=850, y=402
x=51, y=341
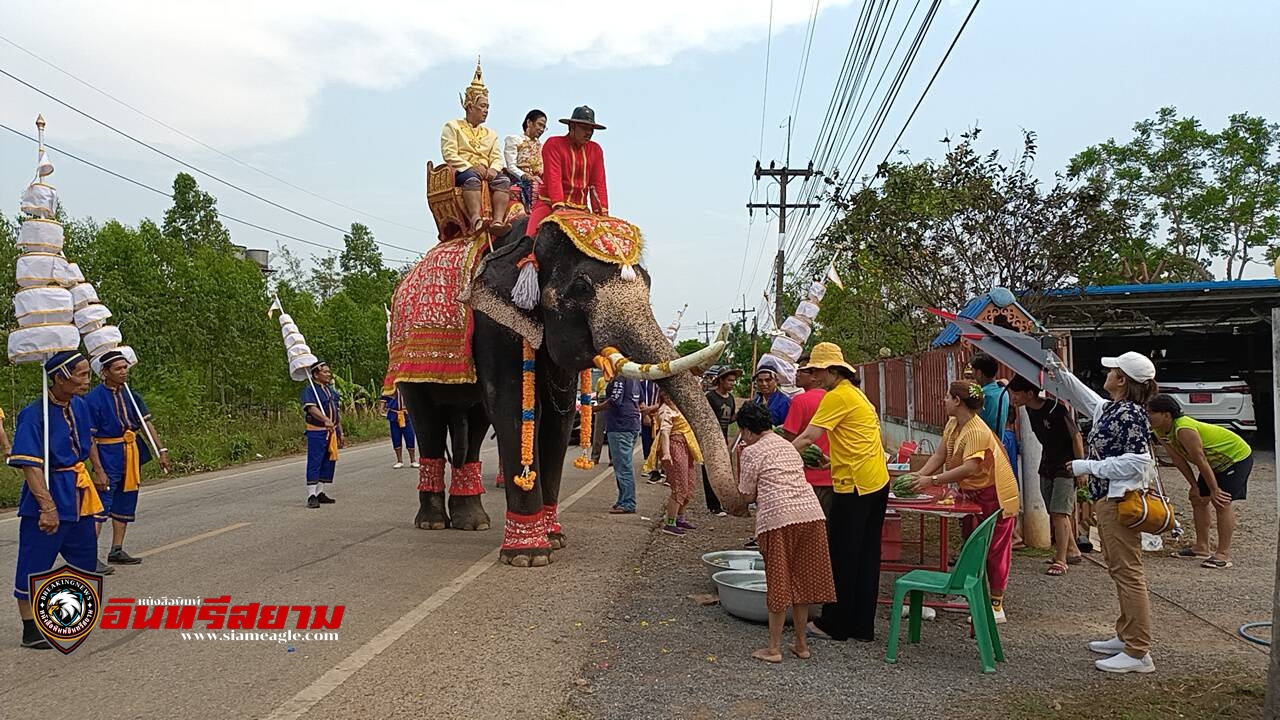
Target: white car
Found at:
x=1228, y=403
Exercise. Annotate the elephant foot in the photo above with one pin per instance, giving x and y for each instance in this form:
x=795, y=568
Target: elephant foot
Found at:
x=431, y=513
x=467, y=513
x=526, y=558
x=557, y=540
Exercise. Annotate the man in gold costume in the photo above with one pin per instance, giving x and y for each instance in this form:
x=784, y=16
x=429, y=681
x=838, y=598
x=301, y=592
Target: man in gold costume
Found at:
x=475, y=154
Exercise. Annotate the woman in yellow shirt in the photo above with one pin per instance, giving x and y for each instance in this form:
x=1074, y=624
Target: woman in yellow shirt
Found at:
x=975, y=461
x=860, y=484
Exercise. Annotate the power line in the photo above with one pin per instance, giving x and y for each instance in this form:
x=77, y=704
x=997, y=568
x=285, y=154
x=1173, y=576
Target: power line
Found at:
x=207, y=146
x=764, y=102
x=158, y=191
x=919, y=102
x=181, y=162
x=802, y=71
x=936, y=71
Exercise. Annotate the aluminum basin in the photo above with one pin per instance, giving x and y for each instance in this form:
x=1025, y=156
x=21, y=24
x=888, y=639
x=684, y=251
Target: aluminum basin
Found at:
x=742, y=594
x=722, y=560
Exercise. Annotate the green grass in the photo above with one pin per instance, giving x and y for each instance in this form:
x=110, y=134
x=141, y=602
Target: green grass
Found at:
x=224, y=441
x=1034, y=552
x=1228, y=696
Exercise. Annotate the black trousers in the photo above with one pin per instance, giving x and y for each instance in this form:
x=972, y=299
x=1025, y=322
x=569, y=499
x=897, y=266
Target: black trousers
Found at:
x=713, y=502
x=853, y=538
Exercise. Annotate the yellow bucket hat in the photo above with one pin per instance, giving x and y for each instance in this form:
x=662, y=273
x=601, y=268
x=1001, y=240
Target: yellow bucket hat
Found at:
x=825, y=355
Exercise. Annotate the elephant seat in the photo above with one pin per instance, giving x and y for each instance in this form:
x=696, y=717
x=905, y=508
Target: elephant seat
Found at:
x=444, y=198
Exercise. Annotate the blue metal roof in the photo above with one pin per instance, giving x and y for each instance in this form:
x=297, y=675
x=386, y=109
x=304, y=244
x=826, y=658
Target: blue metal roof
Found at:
x=1208, y=286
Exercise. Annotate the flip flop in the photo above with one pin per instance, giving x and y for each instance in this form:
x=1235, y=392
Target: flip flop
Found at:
x=1190, y=554
x=1056, y=569
x=1216, y=563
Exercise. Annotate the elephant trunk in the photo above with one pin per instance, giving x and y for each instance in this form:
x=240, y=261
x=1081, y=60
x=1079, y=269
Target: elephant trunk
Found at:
x=637, y=335
x=687, y=393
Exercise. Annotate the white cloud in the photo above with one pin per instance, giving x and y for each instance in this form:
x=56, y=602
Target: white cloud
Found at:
x=239, y=74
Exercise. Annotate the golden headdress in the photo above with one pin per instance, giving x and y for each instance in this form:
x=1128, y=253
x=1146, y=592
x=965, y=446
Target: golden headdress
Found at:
x=475, y=90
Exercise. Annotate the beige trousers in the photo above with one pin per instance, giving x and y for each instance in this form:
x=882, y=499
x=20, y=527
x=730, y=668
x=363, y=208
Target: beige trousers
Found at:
x=1122, y=548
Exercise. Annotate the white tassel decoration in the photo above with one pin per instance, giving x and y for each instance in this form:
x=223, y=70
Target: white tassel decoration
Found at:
x=628, y=272
x=525, y=292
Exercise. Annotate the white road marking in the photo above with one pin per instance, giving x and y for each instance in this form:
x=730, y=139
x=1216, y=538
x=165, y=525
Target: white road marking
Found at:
x=170, y=488
x=309, y=696
x=192, y=539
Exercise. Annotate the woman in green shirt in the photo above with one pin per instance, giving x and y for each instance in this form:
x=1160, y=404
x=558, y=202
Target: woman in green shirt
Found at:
x=1224, y=461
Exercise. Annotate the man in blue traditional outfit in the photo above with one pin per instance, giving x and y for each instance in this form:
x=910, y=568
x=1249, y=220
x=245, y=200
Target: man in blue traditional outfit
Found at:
x=769, y=395
x=401, y=428
x=118, y=414
x=324, y=432
x=57, y=518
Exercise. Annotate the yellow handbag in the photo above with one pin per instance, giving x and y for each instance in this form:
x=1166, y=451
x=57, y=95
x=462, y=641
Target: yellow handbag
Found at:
x=1147, y=510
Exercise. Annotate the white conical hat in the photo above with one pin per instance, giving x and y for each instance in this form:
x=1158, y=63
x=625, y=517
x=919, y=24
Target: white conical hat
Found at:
x=92, y=317
x=40, y=235
x=300, y=366
x=37, y=344
x=83, y=294
x=44, y=166
x=102, y=340
x=42, y=306
x=40, y=200
x=130, y=357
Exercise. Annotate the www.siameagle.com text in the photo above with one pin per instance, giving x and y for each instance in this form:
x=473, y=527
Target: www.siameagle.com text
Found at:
x=277, y=637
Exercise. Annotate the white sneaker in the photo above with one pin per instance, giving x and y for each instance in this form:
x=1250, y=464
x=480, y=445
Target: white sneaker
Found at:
x=1121, y=663
x=413, y=464
x=926, y=613
x=1107, y=647
x=397, y=466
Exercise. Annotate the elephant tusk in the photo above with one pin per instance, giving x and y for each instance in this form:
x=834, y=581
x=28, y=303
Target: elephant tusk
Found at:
x=698, y=361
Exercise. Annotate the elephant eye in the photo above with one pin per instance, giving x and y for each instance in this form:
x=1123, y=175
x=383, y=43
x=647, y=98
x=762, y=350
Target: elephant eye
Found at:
x=580, y=288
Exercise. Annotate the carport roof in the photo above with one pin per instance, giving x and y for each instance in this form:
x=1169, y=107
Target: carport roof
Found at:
x=1196, y=305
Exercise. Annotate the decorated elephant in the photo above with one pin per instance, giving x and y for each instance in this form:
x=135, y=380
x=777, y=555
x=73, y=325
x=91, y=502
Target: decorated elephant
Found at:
x=591, y=300
x=431, y=361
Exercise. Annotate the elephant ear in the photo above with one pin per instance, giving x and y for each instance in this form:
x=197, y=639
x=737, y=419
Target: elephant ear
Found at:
x=490, y=293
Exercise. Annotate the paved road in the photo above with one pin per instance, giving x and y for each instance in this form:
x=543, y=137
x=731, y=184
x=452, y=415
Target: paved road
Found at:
x=433, y=625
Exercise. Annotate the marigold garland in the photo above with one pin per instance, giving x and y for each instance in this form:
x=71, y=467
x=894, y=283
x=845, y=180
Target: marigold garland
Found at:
x=583, y=461
x=524, y=481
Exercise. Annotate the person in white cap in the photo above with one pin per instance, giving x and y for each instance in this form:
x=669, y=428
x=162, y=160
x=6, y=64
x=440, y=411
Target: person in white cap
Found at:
x=1119, y=460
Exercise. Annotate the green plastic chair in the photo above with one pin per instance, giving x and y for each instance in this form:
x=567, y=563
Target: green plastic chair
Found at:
x=969, y=580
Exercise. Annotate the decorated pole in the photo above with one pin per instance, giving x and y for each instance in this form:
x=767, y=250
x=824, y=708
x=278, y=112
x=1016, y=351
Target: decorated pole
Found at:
x=43, y=304
x=301, y=359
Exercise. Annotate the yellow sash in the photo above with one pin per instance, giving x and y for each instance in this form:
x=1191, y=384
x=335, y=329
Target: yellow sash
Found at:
x=333, y=439
x=132, y=460
x=90, y=503
x=400, y=417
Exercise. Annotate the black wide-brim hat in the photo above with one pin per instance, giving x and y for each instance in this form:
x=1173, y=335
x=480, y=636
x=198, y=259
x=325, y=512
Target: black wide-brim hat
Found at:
x=583, y=115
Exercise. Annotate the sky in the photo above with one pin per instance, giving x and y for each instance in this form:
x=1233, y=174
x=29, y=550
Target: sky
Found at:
x=345, y=105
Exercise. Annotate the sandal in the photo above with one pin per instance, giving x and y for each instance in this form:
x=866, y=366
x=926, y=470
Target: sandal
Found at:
x=1190, y=554
x=1056, y=569
x=1075, y=559
x=1216, y=563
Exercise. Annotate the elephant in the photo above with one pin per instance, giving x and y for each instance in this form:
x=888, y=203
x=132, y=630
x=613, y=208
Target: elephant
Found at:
x=455, y=410
x=584, y=305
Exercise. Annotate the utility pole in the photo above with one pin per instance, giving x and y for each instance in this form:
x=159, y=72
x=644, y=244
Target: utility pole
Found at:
x=742, y=314
x=783, y=175
x=706, y=329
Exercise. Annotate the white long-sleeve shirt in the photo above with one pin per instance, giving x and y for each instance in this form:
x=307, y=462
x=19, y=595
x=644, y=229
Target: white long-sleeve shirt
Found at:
x=1123, y=472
